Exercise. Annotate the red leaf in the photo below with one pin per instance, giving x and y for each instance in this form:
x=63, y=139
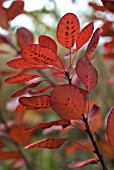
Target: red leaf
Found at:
x=4, y=18
x=64, y=123
x=108, y=56
x=97, y=7
x=36, y=101
x=68, y=102
x=110, y=126
x=67, y=30
x=16, y=134
x=16, y=8
x=93, y=43
x=1, y=144
x=7, y=155
x=50, y=143
x=21, y=108
x=24, y=37
x=83, y=163
x=109, y=4
x=84, y=35
x=47, y=42
x=22, y=91
x=42, y=90
x=38, y=55
x=86, y=73
x=20, y=78
x=19, y=63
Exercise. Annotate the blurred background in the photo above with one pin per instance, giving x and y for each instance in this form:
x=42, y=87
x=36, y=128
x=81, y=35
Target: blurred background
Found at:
x=41, y=18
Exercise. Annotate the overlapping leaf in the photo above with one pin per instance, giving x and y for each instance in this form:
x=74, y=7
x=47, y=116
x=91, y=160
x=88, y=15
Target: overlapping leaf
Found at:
x=64, y=123
x=38, y=55
x=4, y=18
x=68, y=102
x=86, y=73
x=36, y=101
x=109, y=4
x=51, y=143
x=93, y=43
x=67, y=30
x=20, y=78
x=24, y=37
x=16, y=134
x=42, y=90
x=16, y=8
x=110, y=126
x=48, y=42
x=84, y=35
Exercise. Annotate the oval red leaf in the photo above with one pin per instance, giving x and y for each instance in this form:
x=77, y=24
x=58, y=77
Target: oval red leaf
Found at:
x=84, y=35
x=4, y=18
x=20, y=78
x=86, y=73
x=48, y=42
x=24, y=37
x=67, y=30
x=110, y=126
x=38, y=55
x=36, y=101
x=16, y=8
x=51, y=143
x=93, y=43
x=68, y=102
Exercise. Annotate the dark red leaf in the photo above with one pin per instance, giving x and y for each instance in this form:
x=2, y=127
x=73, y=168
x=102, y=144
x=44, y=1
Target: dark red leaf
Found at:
x=97, y=7
x=20, y=78
x=16, y=8
x=64, y=123
x=93, y=43
x=67, y=30
x=24, y=37
x=83, y=163
x=38, y=55
x=7, y=155
x=48, y=42
x=36, y=101
x=51, y=143
x=86, y=73
x=42, y=90
x=68, y=102
x=110, y=126
x=4, y=18
x=84, y=35
x=109, y=4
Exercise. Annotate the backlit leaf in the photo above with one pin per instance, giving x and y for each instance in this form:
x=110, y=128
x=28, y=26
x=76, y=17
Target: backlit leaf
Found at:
x=16, y=134
x=64, y=123
x=84, y=35
x=83, y=163
x=67, y=30
x=38, y=55
x=97, y=7
x=86, y=73
x=7, y=155
x=24, y=37
x=20, y=78
x=48, y=42
x=42, y=90
x=36, y=101
x=51, y=143
x=68, y=102
x=110, y=126
x=16, y=8
x=93, y=43
x=20, y=63
x=21, y=108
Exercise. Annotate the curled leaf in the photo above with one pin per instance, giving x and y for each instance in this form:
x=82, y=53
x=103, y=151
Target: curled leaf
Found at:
x=51, y=143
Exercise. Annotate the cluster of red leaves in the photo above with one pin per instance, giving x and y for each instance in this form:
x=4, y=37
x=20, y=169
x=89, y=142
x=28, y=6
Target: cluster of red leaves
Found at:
x=67, y=99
